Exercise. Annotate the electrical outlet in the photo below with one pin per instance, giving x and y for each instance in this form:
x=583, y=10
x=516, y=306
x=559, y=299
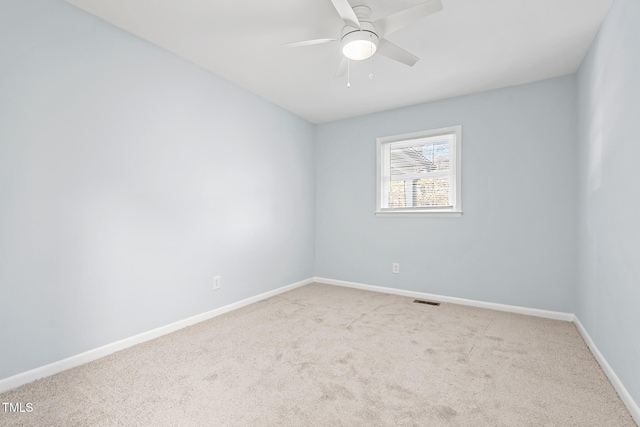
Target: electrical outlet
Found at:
x=395, y=268
x=216, y=283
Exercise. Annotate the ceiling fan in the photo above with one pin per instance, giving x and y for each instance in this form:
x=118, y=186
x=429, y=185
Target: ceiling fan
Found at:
x=361, y=38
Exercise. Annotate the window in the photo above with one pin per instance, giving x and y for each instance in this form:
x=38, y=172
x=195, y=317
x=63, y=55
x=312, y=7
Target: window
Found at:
x=419, y=174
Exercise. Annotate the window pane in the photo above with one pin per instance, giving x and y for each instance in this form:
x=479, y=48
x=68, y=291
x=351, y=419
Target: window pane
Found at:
x=396, y=195
x=426, y=192
x=433, y=192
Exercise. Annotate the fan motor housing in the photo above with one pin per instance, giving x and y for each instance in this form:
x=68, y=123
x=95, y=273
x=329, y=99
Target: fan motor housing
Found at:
x=359, y=43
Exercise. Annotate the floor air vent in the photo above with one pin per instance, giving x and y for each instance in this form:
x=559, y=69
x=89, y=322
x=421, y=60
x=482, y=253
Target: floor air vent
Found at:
x=421, y=301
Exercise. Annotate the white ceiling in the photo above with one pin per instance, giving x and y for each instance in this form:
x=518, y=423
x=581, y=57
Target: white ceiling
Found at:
x=470, y=46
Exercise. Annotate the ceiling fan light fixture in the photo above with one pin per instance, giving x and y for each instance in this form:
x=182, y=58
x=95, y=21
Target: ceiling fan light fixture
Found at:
x=359, y=45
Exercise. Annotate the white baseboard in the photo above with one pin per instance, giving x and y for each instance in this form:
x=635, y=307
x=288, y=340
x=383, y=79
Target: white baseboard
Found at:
x=82, y=358
x=632, y=406
x=557, y=315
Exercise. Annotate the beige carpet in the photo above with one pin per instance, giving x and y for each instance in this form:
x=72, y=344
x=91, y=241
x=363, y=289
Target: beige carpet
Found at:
x=327, y=356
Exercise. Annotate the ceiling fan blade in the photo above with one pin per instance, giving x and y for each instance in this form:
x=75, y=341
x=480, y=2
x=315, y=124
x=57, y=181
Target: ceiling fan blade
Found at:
x=342, y=68
x=392, y=51
x=309, y=42
x=346, y=12
x=406, y=17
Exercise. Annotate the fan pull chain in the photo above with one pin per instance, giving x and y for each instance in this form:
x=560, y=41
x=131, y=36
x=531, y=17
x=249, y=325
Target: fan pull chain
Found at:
x=348, y=73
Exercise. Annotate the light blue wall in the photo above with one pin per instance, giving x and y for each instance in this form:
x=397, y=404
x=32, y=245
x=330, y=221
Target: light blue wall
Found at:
x=515, y=242
x=608, y=291
x=128, y=179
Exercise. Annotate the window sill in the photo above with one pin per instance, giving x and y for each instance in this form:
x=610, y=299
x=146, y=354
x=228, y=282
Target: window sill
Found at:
x=432, y=214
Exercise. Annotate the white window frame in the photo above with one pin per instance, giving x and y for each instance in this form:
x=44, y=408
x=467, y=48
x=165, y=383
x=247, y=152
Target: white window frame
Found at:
x=411, y=138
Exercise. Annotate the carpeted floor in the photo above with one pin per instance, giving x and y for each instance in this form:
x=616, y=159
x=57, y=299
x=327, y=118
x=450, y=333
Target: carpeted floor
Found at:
x=328, y=356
